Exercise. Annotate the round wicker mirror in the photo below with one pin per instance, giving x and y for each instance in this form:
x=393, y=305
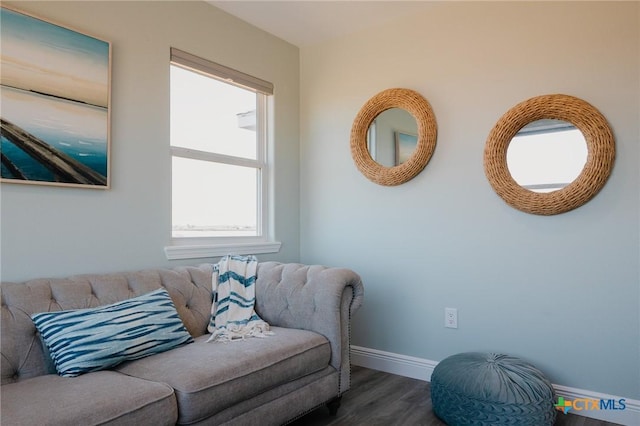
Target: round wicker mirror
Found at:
x=420, y=109
x=600, y=146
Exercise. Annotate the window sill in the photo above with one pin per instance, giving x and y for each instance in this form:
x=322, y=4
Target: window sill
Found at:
x=214, y=250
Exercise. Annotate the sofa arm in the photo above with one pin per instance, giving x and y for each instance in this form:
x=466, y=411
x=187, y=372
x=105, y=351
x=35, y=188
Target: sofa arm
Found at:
x=315, y=298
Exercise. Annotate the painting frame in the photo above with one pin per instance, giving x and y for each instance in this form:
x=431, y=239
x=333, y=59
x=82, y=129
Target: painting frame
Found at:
x=405, y=145
x=55, y=89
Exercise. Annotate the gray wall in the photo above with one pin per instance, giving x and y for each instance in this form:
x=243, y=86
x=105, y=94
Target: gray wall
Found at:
x=48, y=231
x=560, y=291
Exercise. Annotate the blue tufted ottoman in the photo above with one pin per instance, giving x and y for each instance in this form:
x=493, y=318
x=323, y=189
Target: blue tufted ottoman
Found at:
x=478, y=388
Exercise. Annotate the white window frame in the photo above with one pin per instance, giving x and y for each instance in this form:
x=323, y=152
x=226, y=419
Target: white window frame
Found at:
x=203, y=247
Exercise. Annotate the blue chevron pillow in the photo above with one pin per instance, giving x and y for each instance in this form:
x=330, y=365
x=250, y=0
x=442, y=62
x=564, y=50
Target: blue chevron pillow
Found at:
x=85, y=340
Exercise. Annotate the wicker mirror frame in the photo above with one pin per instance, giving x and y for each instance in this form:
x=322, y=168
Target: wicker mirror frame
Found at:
x=420, y=109
x=600, y=146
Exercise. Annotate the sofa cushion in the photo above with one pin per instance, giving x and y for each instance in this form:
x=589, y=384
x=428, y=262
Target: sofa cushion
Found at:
x=103, y=397
x=210, y=377
x=21, y=351
x=85, y=340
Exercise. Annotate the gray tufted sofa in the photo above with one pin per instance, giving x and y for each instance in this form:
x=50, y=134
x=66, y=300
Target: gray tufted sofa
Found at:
x=256, y=381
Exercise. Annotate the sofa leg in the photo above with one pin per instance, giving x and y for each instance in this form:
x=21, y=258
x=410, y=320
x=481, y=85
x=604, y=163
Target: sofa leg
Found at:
x=333, y=405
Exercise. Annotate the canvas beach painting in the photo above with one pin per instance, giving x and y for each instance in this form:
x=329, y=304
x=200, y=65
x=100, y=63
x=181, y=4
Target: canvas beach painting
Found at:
x=55, y=104
x=406, y=143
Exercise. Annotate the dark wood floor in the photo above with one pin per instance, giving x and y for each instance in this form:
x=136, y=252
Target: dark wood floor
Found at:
x=382, y=399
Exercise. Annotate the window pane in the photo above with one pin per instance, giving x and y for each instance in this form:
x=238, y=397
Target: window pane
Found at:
x=211, y=115
x=213, y=199
x=552, y=159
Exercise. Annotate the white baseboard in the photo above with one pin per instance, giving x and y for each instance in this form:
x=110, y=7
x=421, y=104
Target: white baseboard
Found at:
x=419, y=368
x=402, y=365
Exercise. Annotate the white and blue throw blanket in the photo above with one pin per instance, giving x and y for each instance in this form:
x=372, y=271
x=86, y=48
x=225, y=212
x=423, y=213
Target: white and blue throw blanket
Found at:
x=234, y=295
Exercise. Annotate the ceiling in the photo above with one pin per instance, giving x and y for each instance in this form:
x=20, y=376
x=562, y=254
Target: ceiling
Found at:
x=304, y=23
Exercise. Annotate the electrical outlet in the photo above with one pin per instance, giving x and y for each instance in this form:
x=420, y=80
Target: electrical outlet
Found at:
x=451, y=317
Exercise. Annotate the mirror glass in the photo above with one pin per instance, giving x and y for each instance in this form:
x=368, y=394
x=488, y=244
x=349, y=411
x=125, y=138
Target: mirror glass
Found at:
x=392, y=137
x=546, y=155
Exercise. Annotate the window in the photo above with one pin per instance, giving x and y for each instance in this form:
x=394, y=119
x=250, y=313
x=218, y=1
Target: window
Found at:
x=219, y=167
x=546, y=155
